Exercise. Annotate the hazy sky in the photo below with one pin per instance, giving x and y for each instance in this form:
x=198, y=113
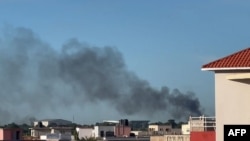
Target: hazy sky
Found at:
x=164, y=42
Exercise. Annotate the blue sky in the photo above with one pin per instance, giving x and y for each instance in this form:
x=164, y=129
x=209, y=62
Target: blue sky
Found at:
x=164, y=42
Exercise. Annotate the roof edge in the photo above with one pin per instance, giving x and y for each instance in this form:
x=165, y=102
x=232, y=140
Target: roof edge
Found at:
x=233, y=68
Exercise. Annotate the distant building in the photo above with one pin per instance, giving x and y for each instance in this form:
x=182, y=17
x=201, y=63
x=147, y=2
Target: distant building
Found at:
x=122, y=129
x=202, y=128
x=155, y=127
x=57, y=137
x=163, y=129
x=42, y=131
x=104, y=131
x=52, y=123
x=185, y=128
x=85, y=132
x=139, y=125
x=11, y=134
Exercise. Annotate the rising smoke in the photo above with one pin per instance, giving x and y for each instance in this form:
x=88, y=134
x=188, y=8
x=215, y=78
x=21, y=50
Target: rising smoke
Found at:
x=35, y=77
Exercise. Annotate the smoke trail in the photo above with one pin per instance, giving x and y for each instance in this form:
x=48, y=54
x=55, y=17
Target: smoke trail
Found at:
x=34, y=77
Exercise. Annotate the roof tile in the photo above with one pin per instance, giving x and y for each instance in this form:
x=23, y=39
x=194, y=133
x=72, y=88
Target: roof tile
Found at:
x=240, y=59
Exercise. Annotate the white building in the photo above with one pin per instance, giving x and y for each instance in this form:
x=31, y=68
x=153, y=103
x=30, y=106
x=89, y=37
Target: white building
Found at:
x=37, y=131
x=232, y=91
x=185, y=128
x=57, y=137
x=85, y=132
x=165, y=128
x=104, y=131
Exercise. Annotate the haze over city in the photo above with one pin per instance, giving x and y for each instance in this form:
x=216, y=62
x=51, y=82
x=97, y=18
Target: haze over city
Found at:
x=96, y=60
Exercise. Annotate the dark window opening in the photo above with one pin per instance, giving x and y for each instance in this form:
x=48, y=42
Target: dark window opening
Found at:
x=17, y=135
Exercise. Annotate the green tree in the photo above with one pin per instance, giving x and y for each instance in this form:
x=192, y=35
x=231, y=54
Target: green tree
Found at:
x=11, y=125
x=25, y=128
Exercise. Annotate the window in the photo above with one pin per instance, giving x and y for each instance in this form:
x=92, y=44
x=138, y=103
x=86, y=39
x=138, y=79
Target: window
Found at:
x=17, y=135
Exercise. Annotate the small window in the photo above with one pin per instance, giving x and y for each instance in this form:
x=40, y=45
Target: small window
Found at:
x=17, y=135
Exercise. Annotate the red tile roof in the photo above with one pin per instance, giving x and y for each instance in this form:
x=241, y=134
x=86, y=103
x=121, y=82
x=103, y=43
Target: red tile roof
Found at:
x=238, y=60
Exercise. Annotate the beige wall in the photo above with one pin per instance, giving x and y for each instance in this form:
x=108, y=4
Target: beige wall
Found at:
x=170, y=138
x=185, y=128
x=38, y=133
x=159, y=127
x=232, y=104
x=157, y=138
x=197, y=124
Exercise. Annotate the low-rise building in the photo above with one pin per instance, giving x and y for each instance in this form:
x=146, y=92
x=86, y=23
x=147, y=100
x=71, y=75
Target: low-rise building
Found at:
x=139, y=125
x=41, y=131
x=84, y=132
x=159, y=129
x=185, y=128
x=13, y=134
x=122, y=130
x=103, y=131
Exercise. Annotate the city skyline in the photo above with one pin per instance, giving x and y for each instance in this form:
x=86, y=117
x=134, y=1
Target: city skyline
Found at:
x=164, y=43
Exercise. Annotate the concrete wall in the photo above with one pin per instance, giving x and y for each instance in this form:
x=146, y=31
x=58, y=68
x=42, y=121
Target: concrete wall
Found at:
x=202, y=136
x=56, y=137
x=85, y=132
x=177, y=138
x=171, y=138
x=159, y=127
x=157, y=138
x=232, y=104
x=185, y=129
x=38, y=133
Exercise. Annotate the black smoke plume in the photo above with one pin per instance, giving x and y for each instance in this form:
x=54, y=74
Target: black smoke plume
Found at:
x=35, y=77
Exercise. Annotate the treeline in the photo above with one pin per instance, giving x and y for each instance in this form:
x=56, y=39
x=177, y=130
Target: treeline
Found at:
x=24, y=127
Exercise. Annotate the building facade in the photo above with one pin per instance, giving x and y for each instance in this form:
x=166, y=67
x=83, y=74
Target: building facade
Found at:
x=139, y=125
x=11, y=134
x=185, y=128
x=159, y=128
x=38, y=131
x=104, y=131
x=85, y=132
x=122, y=131
x=232, y=89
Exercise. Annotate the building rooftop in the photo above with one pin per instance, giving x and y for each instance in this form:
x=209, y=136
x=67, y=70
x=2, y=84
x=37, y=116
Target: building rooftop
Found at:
x=237, y=61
